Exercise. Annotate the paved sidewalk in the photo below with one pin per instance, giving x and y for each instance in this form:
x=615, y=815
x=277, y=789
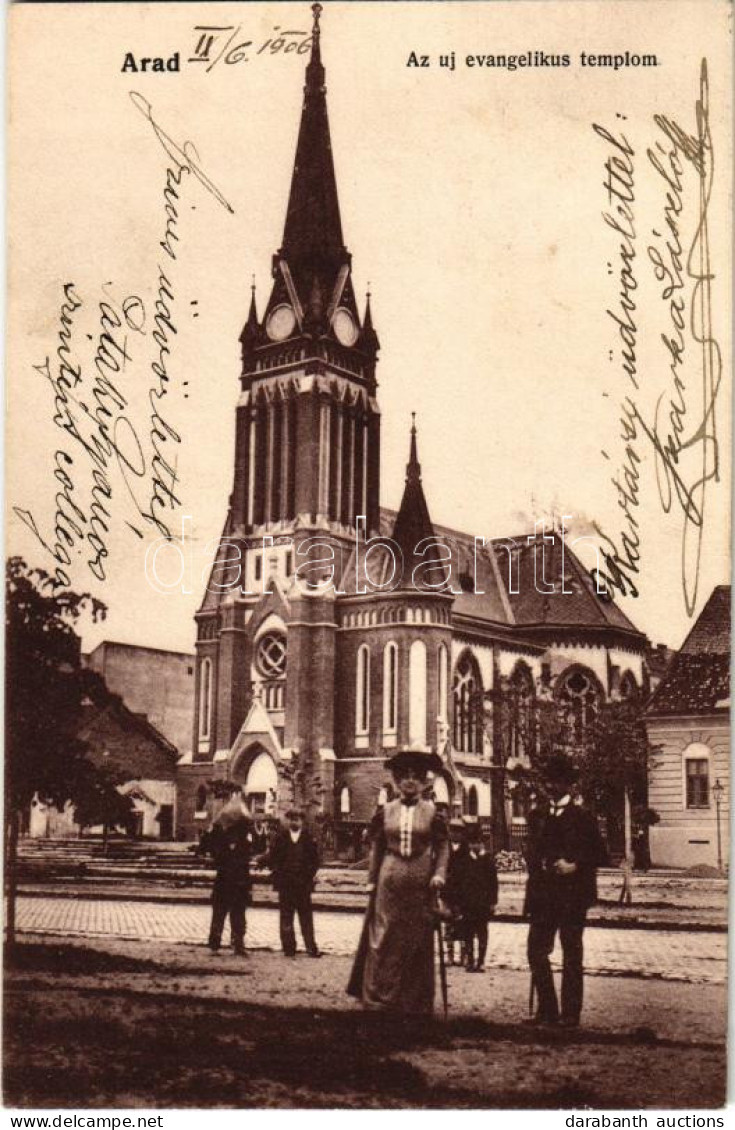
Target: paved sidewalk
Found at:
x=697, y=958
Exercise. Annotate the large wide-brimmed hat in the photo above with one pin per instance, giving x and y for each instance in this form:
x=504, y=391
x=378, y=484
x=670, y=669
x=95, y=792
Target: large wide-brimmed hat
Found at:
x=421, y=759
x=561, y=769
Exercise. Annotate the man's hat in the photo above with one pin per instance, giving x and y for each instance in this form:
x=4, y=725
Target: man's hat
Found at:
x=412, y=758
x=294, y=812
x=561, y=769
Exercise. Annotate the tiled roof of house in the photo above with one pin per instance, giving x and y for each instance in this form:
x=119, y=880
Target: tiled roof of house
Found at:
x=698, y=678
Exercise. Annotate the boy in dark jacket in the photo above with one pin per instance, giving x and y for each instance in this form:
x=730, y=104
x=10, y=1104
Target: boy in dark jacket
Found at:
x=473, y=894
x=294, y=861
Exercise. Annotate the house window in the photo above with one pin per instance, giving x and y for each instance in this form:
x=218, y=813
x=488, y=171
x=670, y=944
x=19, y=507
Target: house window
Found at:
x=390, y=688
x=205, y=698
x=362, y=705
x=697, y=782
x=468, y=706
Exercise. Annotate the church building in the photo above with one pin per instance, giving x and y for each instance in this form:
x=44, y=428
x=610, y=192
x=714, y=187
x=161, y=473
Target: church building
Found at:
x=333, y=631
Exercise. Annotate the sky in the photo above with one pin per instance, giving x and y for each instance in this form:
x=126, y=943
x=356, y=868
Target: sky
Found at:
x=473, y=203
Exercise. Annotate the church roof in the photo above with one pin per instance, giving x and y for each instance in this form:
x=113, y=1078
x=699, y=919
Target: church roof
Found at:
x=498, y=583
x=698, y=678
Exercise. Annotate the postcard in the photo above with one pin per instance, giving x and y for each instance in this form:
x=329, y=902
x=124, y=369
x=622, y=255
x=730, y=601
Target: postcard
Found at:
x=368, y=463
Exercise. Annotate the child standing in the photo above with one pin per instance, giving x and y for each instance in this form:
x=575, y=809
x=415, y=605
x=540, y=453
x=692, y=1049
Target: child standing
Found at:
x=474, y=895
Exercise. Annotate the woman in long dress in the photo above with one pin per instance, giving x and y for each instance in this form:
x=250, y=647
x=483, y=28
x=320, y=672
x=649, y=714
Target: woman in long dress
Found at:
x=394, y=967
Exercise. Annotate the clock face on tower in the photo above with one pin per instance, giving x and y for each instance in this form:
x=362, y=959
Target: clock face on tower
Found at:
x=281, y=322
x=344, y=326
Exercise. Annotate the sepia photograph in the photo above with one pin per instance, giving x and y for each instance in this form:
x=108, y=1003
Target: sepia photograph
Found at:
x=367, y=500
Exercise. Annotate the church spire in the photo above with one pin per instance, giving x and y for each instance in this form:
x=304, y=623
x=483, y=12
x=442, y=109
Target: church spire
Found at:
x=312, y=236
x=413, y=524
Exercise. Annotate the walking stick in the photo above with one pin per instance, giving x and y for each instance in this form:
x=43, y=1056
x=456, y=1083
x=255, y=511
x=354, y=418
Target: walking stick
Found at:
x=442, y=961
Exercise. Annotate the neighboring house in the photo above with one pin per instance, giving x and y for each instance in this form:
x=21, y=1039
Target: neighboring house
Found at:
x=125, y=742
x=345, y=673
x=689, y=718
x=157, y=683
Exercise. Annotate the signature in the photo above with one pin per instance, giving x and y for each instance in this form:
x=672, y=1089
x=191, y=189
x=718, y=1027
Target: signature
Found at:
x=683, y=438
x=92, y=401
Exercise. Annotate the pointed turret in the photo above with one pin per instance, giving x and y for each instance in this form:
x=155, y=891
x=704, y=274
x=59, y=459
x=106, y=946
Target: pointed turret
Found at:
x=251, y=331
x=368, y=337
x=413, y=527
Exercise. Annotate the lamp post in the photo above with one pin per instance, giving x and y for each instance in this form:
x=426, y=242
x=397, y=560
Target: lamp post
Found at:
x=718, y=791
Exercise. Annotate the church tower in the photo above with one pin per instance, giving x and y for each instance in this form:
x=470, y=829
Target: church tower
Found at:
x=307, y=465
x=308, y=424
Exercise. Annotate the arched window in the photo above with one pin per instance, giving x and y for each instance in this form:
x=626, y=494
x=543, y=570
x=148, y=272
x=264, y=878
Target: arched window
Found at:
x=467, y=705
x=362, y=703
x=205, y=698
x=579, y=696
x=442, y=679
x=628, y=688
x=417, y=693
x=521, y=713
x=344, y=801
x=200, y=805
x=390, y=689
x=472, y=801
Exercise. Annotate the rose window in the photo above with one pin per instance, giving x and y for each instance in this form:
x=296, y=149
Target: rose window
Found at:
x=270, y=658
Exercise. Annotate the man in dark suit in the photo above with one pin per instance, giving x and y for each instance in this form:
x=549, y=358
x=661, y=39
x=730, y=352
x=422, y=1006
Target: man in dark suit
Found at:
x=565, y=850
x=229, y=844
x=294, y=861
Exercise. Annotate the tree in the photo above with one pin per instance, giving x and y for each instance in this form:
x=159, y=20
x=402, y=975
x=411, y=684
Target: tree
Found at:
x=46, y=686
x=305, y=786
x=613, y=756
x=97, y=797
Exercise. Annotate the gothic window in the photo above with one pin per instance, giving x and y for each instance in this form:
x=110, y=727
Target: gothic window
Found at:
x=468, y=696
x=205, y=698
x=521, y=713
x=344, y=801
x=417, y=693
x=628, y=688
x=472, y=801
x=362, y=705
x=442, y=681
x=579, y=696
x=200, y=804
x=390, y=688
